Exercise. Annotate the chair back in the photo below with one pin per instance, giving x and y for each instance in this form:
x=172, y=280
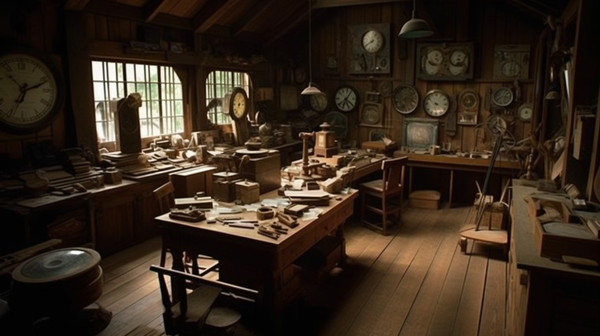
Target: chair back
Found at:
x=185, y=311
x=393, y=174
x=165, y=197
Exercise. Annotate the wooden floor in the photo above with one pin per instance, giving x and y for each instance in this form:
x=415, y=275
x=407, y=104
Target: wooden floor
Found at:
x=414, y=282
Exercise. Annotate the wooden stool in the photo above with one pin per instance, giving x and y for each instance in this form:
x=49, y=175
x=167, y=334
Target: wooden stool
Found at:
x=424, y=199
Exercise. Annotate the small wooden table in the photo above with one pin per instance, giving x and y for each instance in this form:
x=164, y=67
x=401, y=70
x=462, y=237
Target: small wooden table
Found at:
x=249, y=259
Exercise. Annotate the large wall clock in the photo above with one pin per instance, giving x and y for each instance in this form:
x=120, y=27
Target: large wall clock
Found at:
x=235, y=103
x=369, y=48
x=346, y=98
x=445, y=61
x=31, y=90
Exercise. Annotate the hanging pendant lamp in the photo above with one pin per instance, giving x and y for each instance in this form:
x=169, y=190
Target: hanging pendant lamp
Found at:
x=415, y=28
x=310, y=89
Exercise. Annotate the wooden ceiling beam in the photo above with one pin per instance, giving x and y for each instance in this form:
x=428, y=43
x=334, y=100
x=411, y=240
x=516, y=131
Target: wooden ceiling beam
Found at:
x=118, y=10
x=251, y=16
x=211, y=13
x=76, y=5
x=295, y=19
x=529, y=9
x=343, y=3
x=152, y=8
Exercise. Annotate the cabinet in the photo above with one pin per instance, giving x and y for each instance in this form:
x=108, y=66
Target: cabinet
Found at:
x=546, y=297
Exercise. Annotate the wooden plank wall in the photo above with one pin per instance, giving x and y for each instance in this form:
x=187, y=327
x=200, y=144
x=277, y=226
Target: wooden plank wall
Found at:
x=41, y=29
x=489, y=23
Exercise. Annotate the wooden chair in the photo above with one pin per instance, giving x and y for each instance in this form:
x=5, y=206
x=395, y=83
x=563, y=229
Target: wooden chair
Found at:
x=165, y=198
x=384, y=197
x=212, y=307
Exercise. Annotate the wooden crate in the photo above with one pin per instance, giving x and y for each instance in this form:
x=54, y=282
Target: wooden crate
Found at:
x=556, y=246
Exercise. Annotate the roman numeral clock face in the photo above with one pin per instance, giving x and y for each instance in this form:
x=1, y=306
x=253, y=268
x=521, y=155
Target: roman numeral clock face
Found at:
x=29, y=92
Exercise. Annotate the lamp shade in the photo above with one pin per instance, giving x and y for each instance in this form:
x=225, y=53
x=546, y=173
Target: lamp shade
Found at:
x=311, y=90
x=415, y=28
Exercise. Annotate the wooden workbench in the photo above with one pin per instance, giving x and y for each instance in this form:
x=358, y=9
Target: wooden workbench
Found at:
x=249, y=259
x=452, y=163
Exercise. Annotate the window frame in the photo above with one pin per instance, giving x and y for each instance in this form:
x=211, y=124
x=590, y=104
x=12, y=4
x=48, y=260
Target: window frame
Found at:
x=185, y=97
x=225, y=88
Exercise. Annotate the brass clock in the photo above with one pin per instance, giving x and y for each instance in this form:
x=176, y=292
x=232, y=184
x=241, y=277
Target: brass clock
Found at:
x=235, y=103
x=436, y=103
x=31, y=91
x=369, y=46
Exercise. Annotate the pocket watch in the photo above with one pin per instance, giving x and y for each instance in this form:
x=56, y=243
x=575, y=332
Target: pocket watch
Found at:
x=405, y=98
x=346, y=98
x=319, y=102
x=525, y=112
x=502, y=96
x=436, y=103
x=31, y=91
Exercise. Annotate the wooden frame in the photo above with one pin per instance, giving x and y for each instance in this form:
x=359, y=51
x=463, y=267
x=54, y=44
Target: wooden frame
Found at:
x=445, y=67
x=420, y=133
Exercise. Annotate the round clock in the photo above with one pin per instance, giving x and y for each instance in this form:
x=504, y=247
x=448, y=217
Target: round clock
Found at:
x=371, y=114
x=319, y=102
x=238, y=104
x=405, y=98
x=525, y=112
x=502, y=96
x=496, y=124
x=31, y=91
x=436, y=103
x=346, y=98
x=372, y=41
x=468, y=100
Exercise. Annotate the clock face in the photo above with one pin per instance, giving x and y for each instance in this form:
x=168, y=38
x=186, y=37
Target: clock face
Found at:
x=432, y=61
x=372, y=41
x=319, y=102
x=525, y=112
x=405, y=99
x=436, y=103
x=30, y=92
x=502, y=96
x=346, y=98
x=510, y=69
x=238, y=104
x=371, y=115
x=468, y=100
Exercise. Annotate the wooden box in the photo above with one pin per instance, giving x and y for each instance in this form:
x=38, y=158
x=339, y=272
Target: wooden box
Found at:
x=424, y=199
x=555, y=245
x=247, y=192
x=266, y=171
x=186, y=183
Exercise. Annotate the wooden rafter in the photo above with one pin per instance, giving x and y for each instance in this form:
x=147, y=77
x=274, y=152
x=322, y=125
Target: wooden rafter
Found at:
x=152, y=8
x=211, y=13
x=251, y=16
x=76, y=5
x=342, y=3
x=296, y=19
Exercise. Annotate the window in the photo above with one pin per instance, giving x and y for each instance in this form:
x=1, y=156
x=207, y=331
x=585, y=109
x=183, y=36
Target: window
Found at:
x=218, y=84
x=162, y=97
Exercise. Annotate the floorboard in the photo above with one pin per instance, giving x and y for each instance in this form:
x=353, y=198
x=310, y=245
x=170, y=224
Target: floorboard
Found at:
x=413, y=282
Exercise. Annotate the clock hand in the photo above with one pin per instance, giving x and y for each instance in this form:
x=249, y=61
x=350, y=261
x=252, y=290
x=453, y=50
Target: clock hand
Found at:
x=14, y=80
x=36, y=86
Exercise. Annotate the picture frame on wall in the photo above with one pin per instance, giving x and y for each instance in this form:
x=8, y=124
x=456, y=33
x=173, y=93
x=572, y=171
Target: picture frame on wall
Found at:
x=420, y=133
x=445, y=61
x=467, y=118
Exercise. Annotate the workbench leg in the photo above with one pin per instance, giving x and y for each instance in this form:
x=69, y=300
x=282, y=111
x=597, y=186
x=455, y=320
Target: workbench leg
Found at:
x=451, y=186
x=340, y=235
x=410, y=173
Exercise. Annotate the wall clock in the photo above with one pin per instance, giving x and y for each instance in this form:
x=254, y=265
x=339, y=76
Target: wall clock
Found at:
x=385, y=88
x=319, y=102
x=371, y=114
x=511, y=61
x=445, y=61
x=369, y=46
x=502, y=96
x=346, y=98
x=436, y=103
x=405, y=98
x=525, y=112
x=238, y=104
x=468, y=107
x=31, y=91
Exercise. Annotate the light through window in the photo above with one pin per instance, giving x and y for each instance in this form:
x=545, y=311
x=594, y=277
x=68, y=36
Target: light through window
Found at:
x=161, y=90
x=218, y=83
